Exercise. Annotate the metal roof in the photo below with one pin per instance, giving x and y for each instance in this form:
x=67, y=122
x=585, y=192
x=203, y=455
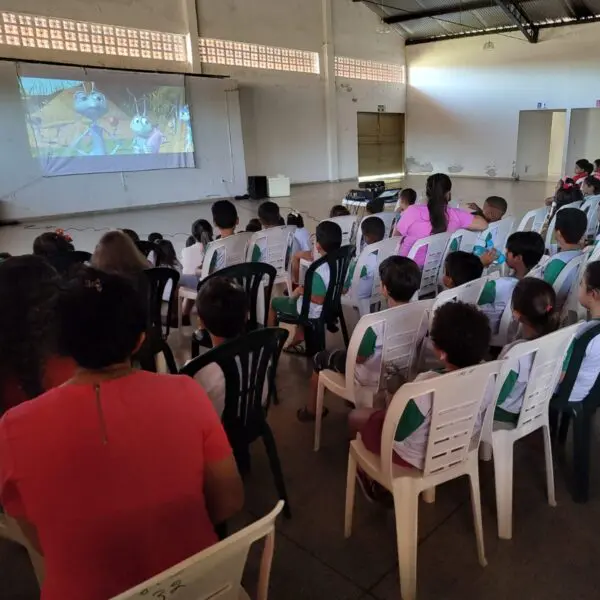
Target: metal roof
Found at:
x=421, y=21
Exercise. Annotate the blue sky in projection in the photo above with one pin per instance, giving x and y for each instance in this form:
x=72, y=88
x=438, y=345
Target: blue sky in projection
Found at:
x=32, y=86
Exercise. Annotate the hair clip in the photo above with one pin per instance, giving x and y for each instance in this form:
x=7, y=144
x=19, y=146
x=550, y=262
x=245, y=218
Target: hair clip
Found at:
x=93, y=284
x=549, y=308
x=61, y=233
x=567, y=186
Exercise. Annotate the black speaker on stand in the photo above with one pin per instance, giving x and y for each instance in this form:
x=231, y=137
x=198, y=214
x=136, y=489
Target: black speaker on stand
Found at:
x=257, y=187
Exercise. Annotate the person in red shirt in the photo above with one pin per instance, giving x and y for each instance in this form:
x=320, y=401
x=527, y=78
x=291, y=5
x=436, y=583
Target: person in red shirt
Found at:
x=29, y=361
x=118, y=474
x=583, y=168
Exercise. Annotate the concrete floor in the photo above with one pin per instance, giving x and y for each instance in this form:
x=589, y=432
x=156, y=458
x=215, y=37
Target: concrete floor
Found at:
x=554, y=551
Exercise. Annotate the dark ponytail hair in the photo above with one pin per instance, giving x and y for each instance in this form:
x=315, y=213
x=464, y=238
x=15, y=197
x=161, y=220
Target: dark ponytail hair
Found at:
x=535, y=301
x=438, y=186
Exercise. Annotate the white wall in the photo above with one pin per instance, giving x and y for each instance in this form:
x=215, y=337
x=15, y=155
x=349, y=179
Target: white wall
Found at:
x=463, y=102
x=584, y=136
x=533, y=144
x=558, y=141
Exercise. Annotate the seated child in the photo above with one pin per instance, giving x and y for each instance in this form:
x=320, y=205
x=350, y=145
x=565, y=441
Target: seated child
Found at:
x=328, y=239
x=400, y=279
x=222, y=311
x=461, y=336
x=155, y=236
x=583, y=168
x=377, y=205
x=301, y=235
x=534, y=308
x=225, y=219
x=373, y=231
x=338, y=210
x=253, y=226
x=269, y=217
x=460, y=268
x=494, y=209
x=407, y=198
x=193, y=256
x=524, y=250
x=581, y=369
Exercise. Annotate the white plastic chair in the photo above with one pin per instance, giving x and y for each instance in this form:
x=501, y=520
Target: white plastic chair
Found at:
x=404, y=328
x=469, y=292
x=389, y=220
x=534, y=220
x=590, y=208
x=217, y=571
x=382, y=250
x=552, y=225
x=567, y=279
x=550, y=351
x=10, y=530
x=461, y=239
x=348, y=225
x=507, y=329
x=500, y=231
x=278, y=243
x=435, y=249
x=457, y=399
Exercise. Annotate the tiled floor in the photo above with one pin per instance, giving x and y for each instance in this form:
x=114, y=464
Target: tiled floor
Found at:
x=554, y=551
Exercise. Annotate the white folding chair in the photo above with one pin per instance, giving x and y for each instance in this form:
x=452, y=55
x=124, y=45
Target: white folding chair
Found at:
x=278, y=243
x=217, y=571
x=404, y=328
x=389, y=220
x=534, y=219
x=590, y=208
x=10, y=530
x=550, y=351
x=348, y=225
x=382, y=250
x=551, y=227
x=435, y=249
x=452, y=448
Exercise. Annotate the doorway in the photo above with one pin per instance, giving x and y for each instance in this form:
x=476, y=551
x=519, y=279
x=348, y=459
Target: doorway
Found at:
x=541, y=144
x=380, y=145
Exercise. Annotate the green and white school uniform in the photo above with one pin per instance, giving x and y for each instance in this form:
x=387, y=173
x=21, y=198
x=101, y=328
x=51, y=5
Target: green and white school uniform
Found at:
x=367, y=274
x=494, y=298
x=368, y=373
x=320, y=284
x=551, y=269
x=259, y=251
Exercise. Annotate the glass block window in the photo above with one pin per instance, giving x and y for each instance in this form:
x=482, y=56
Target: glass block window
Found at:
x=32, y=31
x=256, y=56
x=370, y=70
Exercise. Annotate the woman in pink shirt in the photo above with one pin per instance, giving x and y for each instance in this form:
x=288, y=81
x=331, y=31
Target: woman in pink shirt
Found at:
x=422, y=220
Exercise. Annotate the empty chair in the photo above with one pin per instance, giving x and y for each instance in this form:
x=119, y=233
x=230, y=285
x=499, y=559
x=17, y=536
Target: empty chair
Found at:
x=549, y=354
x=157, y=280
x=534, y=220
x=356, y=294
x=457, y=399
x=217, y=571
x=435, y=249
x=402, y=331
x=389, y=219
x=275, y=245
x=349, y=226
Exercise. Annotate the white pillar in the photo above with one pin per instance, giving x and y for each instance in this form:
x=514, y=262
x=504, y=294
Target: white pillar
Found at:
x=191, y=17
x=328, y=77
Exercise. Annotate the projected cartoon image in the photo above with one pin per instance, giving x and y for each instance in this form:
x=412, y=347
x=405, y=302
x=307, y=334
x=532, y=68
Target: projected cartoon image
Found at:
x=78, y=118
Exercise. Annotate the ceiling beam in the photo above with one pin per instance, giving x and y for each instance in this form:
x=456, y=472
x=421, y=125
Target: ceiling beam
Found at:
x=403, y=17
x=519, y=17
x=578, y=8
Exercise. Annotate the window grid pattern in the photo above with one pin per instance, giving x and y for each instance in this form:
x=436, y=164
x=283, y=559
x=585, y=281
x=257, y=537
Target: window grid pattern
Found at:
x=243, y=54
x=32, y=31
x=369, y=70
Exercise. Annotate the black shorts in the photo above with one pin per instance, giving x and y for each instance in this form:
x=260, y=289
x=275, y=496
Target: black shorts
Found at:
x=335, y=360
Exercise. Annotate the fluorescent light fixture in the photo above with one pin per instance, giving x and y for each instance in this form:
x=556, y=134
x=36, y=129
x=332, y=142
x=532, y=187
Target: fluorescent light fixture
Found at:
x=382, y=176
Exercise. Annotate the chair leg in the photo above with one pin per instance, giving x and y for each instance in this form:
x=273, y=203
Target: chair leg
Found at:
x=406, y=508
x=319, y=415
x=581, y=456
x=563, y=428
x=503, y=475
x=549, y=466
x=344, y=329
x=476, y=507
x=271, y=448
x=350, y=493
x=429, y=495
x=485, y=451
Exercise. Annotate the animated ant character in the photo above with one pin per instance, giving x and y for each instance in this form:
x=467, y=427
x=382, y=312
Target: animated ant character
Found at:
x=93, y=106
x=147, y=138
x=185, y=118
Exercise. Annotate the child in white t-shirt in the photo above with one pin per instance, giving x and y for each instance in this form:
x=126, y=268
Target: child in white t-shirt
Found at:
x=373, y=231
x=400, y=279
x=269, y=217
x=301, y=235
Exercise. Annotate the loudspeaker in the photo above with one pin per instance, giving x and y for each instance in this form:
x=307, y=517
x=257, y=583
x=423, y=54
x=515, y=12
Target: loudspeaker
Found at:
x=257, y=187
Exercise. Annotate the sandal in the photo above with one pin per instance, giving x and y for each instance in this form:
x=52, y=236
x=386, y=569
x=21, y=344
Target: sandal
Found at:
x=298, y=349
x=304, y=416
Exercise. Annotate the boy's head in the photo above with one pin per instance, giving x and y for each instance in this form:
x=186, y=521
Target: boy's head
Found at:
x=461, y=267
x=373, y=230
x=268, y=214
x=295, y=220
x=590, y=186
x=571, y=225
x=408, y=197
x=155, y=237
x=589, y=290
x=494, y=208
x=583, y=165
x=524, y=250
x=224, y=215
x=400, y=278
x=375, y=206
x=329, y=237
x=338, y=210
x=460, y=334
x=253, y=225
x=222, y=308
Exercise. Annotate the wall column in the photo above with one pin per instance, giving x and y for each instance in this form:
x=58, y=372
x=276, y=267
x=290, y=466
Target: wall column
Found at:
x=328, y=76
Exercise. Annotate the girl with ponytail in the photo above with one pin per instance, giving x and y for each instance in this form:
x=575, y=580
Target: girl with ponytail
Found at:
x=422, y=220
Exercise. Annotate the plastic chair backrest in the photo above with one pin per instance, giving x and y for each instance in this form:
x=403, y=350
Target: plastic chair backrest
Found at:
x=229, y=251
x=500, y=231
x=590, y=208
x=467, y=292
x=382, y=250
x=338, y=262
x=461, y=239
x=534, y=220
x=552, y=226
x=348, y=225
x=567, y=279
x=157, y=280
x=278, y=243
x=251, y=276
x=457, y=399
x=246, y=362
x=436, y=247
x=507, y=329
x=64, y=262
x=217, y=571
x=389, y=220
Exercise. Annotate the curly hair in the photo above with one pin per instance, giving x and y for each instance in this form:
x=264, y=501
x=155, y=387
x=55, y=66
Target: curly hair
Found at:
x=29, y=291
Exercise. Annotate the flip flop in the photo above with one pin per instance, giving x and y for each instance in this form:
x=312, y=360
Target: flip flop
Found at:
x=307, y=417
x=298, y=349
